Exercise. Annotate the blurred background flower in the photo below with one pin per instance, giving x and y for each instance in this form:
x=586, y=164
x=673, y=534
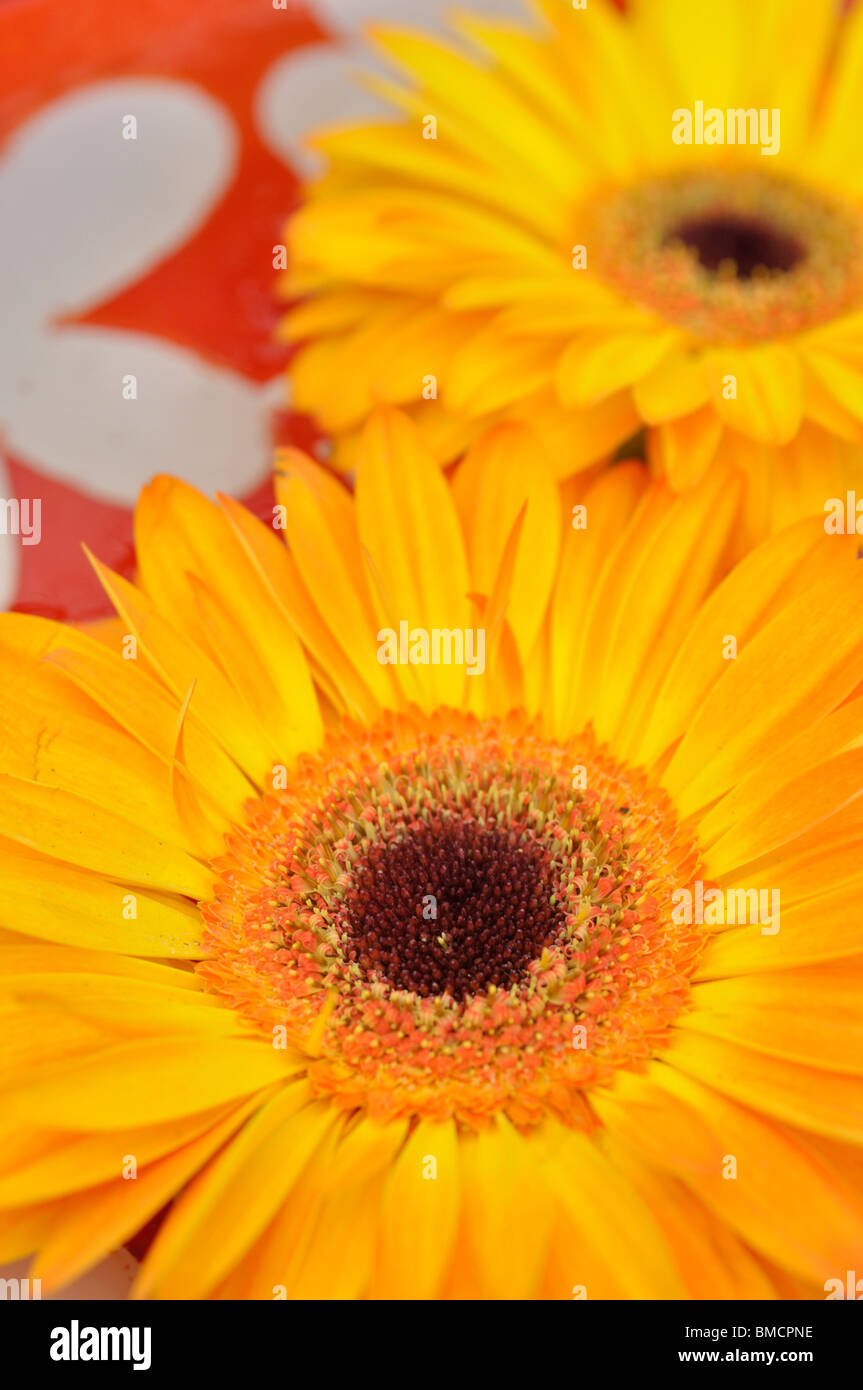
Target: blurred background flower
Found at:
x=524, y=236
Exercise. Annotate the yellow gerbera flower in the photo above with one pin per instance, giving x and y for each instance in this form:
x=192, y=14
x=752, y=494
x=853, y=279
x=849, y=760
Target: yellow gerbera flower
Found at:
x=535, y=240
x=397, y=977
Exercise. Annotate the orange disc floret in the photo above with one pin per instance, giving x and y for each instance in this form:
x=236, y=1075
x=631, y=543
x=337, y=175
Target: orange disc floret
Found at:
x=451, y=917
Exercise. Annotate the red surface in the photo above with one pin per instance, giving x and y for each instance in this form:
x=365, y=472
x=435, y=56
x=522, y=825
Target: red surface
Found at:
x=214, y=296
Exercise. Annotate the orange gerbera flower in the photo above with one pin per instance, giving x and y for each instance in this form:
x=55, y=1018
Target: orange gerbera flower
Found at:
x=371, y=895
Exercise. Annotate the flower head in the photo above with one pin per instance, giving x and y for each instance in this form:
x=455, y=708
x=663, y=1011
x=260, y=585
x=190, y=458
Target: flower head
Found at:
x=598, y=224
x=397, y=980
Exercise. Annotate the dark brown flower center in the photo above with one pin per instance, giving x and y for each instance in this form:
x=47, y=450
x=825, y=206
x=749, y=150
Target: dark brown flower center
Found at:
x=748, y=242
x=452, y=906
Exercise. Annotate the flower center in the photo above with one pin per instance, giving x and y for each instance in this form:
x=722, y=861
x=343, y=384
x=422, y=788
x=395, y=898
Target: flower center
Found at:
x=452, y=908
x=738, y=257
x=444, y=921
x=746, y=243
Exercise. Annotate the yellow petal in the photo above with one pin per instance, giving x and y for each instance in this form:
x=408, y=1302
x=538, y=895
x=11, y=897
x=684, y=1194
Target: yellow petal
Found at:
x=278, y=571
x=686, y=1128
x=66, y=827
x=784, y=679
x=96, y=1222
x=227, y=1207
x=768, y=405
x=491, y=370
x=508, y=1213
x=713, y=1261
x=667, y=578
x=419, y=1214
x=737, y=607
x=840, y=732
x=70, y=1163
x=608, y=506
x=827, y=927
x=421, y=567
x=45, y=739
x=180, y=664
x=825, y=1102
x=592, y=368
x=495, y=475
x=810, y=1015
x=148, y=712
x=684, y=448
x=146, y=1083
x=803, y=802
x=678, y=385
x=605, y=1208
x=322, y=534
